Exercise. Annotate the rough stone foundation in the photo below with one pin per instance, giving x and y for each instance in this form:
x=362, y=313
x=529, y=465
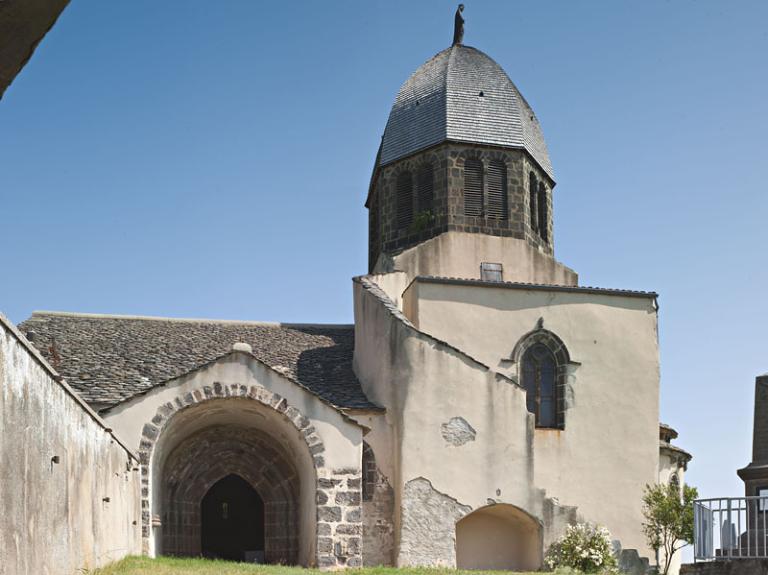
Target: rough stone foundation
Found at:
x=428, y=525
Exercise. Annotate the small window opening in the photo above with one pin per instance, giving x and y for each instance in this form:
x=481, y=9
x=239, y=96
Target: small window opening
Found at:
x=763, y=493
x=491, y=272
x=369, y=472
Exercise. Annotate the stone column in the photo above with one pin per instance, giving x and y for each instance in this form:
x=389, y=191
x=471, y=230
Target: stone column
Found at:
x=755, y=475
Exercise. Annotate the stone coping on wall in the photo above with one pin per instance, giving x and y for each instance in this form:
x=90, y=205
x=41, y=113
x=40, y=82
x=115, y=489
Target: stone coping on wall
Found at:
x=533, y=286
x=59, y=380
x=371, y=287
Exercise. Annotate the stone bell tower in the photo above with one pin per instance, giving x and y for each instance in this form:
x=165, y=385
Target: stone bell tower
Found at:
x=462, y=177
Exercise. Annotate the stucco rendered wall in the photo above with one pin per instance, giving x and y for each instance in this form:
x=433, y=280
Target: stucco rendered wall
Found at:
x=326, y=518
x=443, y=471
x=459, y=255
x=609, y=449
x=61, y=515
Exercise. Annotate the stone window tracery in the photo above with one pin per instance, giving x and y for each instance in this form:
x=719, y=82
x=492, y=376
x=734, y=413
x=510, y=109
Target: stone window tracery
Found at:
x=543, y=363
x=539, y=380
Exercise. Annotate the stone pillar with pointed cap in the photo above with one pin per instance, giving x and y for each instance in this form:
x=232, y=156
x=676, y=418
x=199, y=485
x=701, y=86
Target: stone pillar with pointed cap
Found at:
x=755, y=475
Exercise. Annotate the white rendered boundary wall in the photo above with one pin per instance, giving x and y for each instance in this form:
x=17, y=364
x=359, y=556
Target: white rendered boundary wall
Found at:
x=69, y=489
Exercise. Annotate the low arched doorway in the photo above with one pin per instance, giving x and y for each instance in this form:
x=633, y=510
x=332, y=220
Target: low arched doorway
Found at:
x=499, y=537
x=232, y=521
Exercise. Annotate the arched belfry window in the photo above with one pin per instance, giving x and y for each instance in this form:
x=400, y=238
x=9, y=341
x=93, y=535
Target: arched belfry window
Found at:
x=425, y=188
x=473, y=187
x=533, y=209
x=404, y=200
x=543, y=214
x=542, y=362
x=497, y=190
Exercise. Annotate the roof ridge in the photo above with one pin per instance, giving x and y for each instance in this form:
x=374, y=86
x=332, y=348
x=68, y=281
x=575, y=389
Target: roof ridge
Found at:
x=39, y=313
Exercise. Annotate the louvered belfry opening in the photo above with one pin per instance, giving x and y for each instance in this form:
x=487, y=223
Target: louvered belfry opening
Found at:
x=404, y=200
x=532, y=202
x=458, y=187
x=473, y=187
x=497, y=190
x=374, y=240
x=543, y=215
x=425, y=188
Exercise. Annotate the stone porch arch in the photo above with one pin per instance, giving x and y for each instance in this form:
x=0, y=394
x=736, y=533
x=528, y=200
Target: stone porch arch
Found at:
x=329, y=536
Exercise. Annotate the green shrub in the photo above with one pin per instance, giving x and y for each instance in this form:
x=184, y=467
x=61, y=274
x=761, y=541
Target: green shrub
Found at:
x=585, y=548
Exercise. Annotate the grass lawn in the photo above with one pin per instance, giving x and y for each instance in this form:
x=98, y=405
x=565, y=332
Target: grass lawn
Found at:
x=173, y=566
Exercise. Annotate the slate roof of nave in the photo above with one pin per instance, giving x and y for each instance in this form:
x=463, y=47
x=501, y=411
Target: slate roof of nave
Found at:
x=109, y=359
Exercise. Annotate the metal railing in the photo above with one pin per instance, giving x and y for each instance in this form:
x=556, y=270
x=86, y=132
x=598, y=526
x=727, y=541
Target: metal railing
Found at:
x=730, y=528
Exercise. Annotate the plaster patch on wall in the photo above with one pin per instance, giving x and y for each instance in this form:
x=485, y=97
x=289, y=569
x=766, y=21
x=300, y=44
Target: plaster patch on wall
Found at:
x=457, y=431
x=428, y=533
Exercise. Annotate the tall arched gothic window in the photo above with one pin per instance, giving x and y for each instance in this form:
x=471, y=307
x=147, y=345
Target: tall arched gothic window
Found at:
x=539, y=369
x=543, y=362
x=404, y=200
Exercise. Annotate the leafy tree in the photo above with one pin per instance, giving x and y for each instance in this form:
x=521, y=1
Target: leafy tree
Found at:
x=668, y=515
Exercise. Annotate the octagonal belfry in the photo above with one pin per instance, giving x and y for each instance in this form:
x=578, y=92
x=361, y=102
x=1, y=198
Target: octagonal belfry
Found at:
x=462, y=152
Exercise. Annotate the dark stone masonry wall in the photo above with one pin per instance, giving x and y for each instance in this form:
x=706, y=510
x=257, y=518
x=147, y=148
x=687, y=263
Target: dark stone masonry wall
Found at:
x=447, y=213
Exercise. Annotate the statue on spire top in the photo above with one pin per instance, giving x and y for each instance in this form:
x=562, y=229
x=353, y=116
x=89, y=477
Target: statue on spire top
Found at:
x=458, y=26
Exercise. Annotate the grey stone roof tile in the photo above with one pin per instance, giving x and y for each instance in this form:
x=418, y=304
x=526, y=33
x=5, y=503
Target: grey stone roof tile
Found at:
x=109, y=359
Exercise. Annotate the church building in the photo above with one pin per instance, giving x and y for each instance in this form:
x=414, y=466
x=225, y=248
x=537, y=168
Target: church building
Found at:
x=481, y=402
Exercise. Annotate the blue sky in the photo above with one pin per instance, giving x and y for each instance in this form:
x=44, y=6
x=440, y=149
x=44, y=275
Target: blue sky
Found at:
x=185, y=159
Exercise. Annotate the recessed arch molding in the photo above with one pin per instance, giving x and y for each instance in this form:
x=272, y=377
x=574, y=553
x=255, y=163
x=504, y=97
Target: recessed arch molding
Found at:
x=338, y=513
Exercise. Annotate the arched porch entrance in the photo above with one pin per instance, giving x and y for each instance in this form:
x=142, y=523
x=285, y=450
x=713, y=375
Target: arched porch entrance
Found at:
x=234, y=479
x=232, y=521
x=499, y=537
